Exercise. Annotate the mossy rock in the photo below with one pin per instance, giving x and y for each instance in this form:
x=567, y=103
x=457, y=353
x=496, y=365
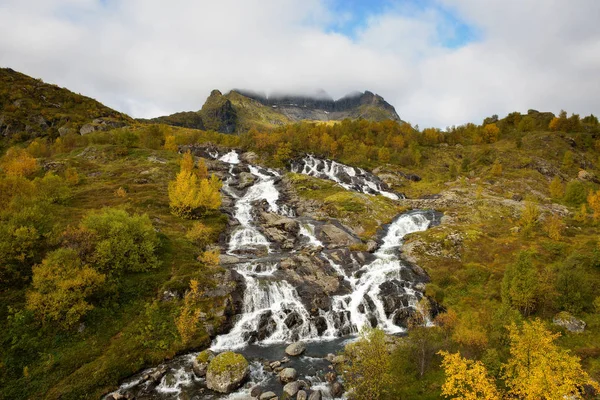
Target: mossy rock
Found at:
x=226, y=372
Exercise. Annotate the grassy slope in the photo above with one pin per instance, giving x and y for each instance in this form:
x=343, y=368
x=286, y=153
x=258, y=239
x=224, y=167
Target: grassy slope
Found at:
x=466, y=256
x=134, y=329
x=30, y=107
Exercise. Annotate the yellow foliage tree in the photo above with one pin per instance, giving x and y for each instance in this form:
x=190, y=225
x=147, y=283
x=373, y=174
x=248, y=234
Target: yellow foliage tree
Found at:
x=210, y=258
x=170, y=143
x=467, y=379
x=593, y=200
x=554, y=226
x=202, y=170
x=71, y=176
x=496, y=168
x=18, y=162
x=557, y=189
x=529, y=217
x=490, y=133
x=539, y=369
x=189, y=315
x=60, y=287
x=188, y=192
x=200, y=234
x=581, y=215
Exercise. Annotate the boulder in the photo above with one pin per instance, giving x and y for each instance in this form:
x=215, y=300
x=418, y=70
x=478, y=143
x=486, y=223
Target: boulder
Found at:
x=268, y=396
x=288, y=375
x=337, y=389
x=584, y=175
x=337, y=237
x=87, y=128
x=249, y=157
x=246, y=179
x=200, y=363
x=301, y=395
x=226, y=372
x=569, y=322
x=295, y=349
x=292, y=388
x=316, y=395
x=256, y=392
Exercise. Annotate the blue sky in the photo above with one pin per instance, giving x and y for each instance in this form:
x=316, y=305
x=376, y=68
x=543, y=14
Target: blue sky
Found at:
x=354, y=16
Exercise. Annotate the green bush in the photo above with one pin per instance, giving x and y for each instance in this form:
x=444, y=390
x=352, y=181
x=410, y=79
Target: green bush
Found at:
x=124, y=242
x=575, y=193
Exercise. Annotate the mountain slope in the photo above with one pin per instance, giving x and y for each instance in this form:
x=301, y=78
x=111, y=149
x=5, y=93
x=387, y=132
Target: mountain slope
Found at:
x=241, y=110
x=31, y=108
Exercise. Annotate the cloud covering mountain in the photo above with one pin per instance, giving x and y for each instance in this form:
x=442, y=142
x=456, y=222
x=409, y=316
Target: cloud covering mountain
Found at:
x=438, y=62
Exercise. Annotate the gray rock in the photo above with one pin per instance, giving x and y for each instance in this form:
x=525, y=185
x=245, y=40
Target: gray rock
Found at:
x=336, y=237
x=372, y=246
x=569, y=322
x=246, y=179
x=301, y=395
x=337, y=389
x=290, y=389
x=226, y=372
x=256, y=391
x=330, y=357
x=201, y=362
x=227, y=259
x=295, y=349
x=316, y=395
x=275, y=364
x=268, y=396
x=288, y=375
x=87, y=128
x=249, y=157
x=338, y=359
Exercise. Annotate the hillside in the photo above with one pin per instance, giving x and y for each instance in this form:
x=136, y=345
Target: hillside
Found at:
x=480, y=229
x=30, y=108
x=240, y=110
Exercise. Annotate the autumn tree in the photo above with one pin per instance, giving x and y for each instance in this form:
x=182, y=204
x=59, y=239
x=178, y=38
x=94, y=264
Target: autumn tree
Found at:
x=61, y=287
x=170, y=143
x=200, y=234
x=554, y=226
x=496, y=169
x=557, y=189
x=189, y=192
x=467, y=379
x=593, y=200
x=539, y=369
x=18, y=162
x=520, y=284
x=384, y=155
x=489, y=133
x=189, y=314
x=568, y=161
x=367, y=367
x=529, y=217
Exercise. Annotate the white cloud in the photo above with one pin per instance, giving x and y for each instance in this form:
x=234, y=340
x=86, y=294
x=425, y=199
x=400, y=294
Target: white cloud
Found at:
x=147, y=57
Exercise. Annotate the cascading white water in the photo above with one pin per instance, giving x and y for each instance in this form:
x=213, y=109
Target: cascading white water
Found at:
x=274, y=299
x=359, y=179
x=247, y=236
x=272, y=310
x=386, y=267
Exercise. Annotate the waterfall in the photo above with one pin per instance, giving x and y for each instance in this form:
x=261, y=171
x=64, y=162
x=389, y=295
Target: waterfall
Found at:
x=272, y=311
x=350, y=178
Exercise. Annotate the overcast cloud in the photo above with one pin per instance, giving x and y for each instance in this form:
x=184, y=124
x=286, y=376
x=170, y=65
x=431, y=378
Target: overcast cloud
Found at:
x=151, y=57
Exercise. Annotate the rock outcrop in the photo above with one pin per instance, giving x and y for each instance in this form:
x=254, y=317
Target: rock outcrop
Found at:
x=226, y=372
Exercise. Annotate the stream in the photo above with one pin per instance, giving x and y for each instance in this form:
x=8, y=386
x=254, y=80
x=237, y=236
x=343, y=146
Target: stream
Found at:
x=278, y=254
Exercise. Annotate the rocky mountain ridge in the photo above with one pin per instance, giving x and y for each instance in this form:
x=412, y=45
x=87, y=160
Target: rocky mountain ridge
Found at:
x=240, y=110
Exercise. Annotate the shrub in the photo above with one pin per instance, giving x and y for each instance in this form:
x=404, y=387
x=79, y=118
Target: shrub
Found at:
x=124, y=242
x=575, y=193
x=61, y=286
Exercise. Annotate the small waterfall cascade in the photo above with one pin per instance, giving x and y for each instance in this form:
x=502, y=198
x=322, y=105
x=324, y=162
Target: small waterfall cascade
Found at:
x=375, y=289
x=351, y=178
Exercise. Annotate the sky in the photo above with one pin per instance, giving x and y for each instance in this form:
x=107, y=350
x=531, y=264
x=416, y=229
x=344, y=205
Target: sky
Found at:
x=438, y=62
